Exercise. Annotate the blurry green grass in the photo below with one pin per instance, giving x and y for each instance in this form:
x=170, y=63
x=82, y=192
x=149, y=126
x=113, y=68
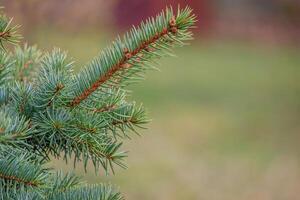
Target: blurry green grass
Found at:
x=218, y=108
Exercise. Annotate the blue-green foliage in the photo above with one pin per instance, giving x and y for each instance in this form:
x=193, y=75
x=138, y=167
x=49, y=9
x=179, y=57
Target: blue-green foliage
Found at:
x=26, y=61
x=8, y=32
x=48, y=110
x=91, y=192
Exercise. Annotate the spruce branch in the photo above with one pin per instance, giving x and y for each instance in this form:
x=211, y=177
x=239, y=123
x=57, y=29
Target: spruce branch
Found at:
x=21, y=171
x=21, y=99
x=126, y=58
x=26, y=61
x=48, y=110
x=8, y=32
x=54, y=80
x=14, y=130
x=58, y=132
x=105, y=101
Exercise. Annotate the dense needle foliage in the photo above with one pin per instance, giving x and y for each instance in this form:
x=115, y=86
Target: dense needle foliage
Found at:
x=47, y=110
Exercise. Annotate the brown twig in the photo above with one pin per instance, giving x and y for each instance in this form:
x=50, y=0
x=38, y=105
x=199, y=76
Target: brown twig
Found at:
x=122, y=63
x=29, y=183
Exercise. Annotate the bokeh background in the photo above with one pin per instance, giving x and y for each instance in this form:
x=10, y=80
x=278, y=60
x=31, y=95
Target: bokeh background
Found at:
x=226, y=111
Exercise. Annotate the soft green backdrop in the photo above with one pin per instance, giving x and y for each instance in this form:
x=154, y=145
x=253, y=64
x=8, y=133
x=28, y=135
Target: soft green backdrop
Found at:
x=226, y=121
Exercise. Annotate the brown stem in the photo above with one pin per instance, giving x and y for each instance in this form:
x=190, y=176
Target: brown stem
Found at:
x=4, y=35
x=122, y=63
x=29, y=183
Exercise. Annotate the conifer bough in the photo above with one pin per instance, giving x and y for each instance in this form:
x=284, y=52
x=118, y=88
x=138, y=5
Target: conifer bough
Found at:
x=47, y=110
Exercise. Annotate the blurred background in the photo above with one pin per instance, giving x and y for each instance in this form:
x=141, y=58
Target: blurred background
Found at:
x=226, y=111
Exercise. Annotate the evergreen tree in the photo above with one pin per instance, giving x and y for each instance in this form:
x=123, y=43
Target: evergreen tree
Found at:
x=47, y=110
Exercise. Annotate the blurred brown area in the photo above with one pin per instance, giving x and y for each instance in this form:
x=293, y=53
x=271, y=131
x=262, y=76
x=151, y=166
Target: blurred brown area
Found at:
x=261, y=20
x=67, y=14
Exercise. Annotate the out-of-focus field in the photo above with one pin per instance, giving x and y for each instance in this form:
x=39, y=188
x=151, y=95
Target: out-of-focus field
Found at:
x=226, y=122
